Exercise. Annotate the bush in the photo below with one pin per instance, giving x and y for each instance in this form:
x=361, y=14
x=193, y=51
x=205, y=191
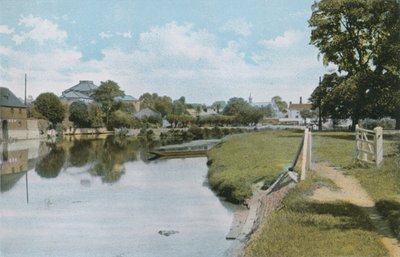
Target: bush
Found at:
x=385, y=123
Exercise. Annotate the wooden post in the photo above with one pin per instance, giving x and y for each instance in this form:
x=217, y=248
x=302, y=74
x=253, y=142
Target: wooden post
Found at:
x=309, y=159
x=378, y=146
x=304, y=157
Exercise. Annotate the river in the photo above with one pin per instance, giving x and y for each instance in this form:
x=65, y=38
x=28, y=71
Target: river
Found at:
x=101, y=197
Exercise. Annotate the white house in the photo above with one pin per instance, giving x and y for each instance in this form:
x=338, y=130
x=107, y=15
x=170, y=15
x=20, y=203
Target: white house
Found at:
x=294, y=110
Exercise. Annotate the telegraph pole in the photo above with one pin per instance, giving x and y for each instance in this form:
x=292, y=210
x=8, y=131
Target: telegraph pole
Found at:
x=319, y=108
x=25, y=87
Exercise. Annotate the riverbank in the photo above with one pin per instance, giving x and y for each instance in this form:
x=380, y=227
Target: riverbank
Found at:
x=243, y=160
x=302, y=226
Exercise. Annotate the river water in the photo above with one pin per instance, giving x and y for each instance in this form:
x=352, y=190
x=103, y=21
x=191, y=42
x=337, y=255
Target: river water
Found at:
x=100, y=198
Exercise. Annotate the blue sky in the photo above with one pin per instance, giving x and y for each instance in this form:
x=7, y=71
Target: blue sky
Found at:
x=203, y=50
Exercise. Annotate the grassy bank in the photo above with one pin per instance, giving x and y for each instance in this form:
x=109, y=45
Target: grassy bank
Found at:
x=383, y=185
x=245, y=159
x=307, y=228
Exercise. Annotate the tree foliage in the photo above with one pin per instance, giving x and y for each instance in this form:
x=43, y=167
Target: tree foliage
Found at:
x=105, y=95
x=362, y=38
x=48, y=105
x=78, y=114
x=162, y=104
x=243, y=112
x=282, y=105
x=95, y=115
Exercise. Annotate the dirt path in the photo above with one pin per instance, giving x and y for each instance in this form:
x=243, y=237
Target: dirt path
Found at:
x=350, y=190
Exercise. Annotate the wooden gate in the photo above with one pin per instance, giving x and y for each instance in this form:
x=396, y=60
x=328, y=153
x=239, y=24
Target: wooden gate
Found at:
x=369, y=145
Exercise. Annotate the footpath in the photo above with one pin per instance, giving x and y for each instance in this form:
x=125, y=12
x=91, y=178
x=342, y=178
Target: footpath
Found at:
x=351, y=191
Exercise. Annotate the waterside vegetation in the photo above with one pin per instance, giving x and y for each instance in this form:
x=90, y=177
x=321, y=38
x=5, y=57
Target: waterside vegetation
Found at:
x=242, y=160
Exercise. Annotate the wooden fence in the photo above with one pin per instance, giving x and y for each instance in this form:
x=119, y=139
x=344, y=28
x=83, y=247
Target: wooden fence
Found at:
x=369, y=145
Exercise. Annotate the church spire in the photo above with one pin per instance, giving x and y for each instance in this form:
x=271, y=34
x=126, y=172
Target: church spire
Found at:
x=250, y=99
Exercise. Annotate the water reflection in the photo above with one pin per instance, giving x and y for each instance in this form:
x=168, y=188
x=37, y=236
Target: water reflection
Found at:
x=105, y=201
x=51, y=165
x=16, y=159
x=99, y=157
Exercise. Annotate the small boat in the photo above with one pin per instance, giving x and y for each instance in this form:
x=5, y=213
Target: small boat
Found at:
x=192, y=149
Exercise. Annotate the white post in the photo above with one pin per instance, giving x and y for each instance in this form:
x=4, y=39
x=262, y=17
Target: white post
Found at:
x=310, y=165
x=304, y=157
x=378, y=146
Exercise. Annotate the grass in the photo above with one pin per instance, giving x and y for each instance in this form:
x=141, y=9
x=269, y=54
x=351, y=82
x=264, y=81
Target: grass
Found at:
x=303, y=227
x=383, y=185
x=243, y=160
x=306, y=228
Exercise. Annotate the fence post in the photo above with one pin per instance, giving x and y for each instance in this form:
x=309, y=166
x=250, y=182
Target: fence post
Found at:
x=304, y=157
x=378, y=146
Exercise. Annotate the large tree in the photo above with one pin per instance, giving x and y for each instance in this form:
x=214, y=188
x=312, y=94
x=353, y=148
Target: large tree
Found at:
x=163, y=104
x=243, y=112
x=362, y=38
x=106, y=94
x=78, y=114
x=48, y=105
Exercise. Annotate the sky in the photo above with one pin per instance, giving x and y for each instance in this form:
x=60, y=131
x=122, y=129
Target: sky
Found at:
x=205, y=50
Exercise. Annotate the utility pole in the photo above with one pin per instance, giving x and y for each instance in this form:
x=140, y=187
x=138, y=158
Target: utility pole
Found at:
x=319, y=108
x=25, y=87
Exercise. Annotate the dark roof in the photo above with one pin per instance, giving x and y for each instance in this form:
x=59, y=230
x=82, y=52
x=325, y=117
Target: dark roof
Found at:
x=7, y=98
x=125, y=98
x=84, y=86
x=74, y=94
x=147, y=112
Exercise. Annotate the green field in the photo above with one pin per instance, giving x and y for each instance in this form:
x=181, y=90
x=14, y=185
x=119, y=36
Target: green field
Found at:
x=242, y=160
x=303, y=227
x=383, y=184
x=306, y=228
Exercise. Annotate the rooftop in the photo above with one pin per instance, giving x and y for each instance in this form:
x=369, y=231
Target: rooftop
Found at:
x=300, y=106
x=7, y=98
x=84, y=86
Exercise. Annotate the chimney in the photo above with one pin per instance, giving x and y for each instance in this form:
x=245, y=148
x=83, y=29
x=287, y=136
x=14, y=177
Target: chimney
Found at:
x=301, y=100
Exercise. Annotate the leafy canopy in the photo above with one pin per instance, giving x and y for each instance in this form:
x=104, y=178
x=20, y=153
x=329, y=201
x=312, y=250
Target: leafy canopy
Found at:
x=48, y=105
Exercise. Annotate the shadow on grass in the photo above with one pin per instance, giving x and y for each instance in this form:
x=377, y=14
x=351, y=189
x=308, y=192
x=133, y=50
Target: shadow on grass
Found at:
x=350, y=137
x=345, y=216
x=391, y=211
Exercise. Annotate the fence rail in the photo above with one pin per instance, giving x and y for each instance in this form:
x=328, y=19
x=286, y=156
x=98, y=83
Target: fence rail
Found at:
x=369, y=145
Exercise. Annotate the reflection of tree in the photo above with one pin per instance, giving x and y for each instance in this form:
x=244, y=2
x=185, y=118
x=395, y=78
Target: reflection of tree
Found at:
x=50, y=166
x=115, y=152
x=79, y=153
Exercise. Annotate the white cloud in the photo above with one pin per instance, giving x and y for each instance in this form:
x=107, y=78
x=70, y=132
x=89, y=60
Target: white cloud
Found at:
x=175, y=60
x=4, y=29
x=288, y=39
x=238, y=26
x=127, y=34
x=41, y=30
x=104, y=35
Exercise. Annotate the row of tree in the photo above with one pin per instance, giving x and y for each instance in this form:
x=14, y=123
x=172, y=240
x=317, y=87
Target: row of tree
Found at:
x=107, y=111
x=362, y=40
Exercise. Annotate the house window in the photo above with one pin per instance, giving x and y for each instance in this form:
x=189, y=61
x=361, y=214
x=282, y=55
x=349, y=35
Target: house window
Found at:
x=12, y=110
x=20, y=110
x=297, y=116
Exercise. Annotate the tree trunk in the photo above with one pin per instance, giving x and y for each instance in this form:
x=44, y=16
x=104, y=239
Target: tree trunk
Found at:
x=319, y=118
x=397, y=118
x=354, y=122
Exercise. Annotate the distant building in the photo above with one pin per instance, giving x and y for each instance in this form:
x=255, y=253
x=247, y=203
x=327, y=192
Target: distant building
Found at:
x=148, y=112
x=129, y=100
x=14, y=118
x=80, y=92
x=13, y=115
x=276, y=113
x=294, y=110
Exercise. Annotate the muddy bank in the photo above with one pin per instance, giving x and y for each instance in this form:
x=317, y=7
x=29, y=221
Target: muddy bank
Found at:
x=255, y=212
